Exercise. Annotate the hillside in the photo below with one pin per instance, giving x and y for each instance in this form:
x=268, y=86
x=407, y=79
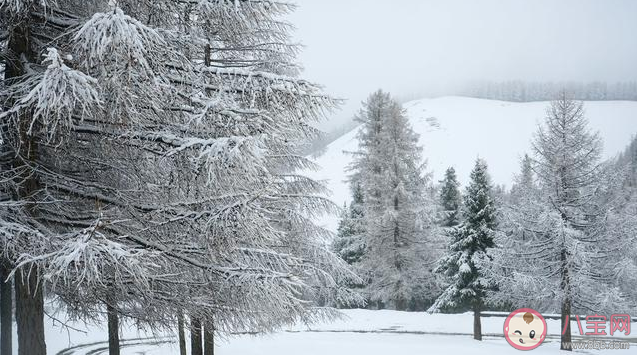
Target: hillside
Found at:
x=455, y=130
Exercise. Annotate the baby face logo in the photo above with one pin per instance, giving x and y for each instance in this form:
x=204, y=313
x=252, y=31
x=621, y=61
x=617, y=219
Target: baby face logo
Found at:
x=525, y=329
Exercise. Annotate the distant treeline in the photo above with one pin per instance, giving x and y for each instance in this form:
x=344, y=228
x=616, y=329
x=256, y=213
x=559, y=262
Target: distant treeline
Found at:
x=521, y=91
x=525, y=91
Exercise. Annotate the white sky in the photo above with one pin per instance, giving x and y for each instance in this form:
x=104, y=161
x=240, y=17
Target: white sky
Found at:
x=354, y=47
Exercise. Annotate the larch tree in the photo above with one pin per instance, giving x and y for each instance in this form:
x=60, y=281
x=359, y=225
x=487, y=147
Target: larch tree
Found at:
x=622, y=222
x=148, y=168
x=562, y=251
x=398, y=211
x=467, y=257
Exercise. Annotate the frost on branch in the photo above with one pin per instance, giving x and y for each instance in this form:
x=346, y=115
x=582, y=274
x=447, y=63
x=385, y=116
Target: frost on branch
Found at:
x=57, y=94
x=129, y=59
x=88, y=259
x=18, y=6
x=17, y=236
x=216, y=153
x=113, y=35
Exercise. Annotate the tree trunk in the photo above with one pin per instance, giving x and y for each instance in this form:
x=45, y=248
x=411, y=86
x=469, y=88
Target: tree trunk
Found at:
x=29, y=297
x=113, y=329
x=566, y=322
x=477, y=325
x=566, y=304
x=29, y=312
x=6, y=311
x=182, y=335
x=209, y=340
x=195, y=337
x=206, y=53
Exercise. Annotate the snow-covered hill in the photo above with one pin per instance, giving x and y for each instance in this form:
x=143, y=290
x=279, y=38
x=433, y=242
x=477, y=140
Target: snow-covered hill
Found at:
x=454, y=131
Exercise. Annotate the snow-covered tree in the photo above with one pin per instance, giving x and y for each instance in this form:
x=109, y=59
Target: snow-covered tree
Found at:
x=467, y=255
x=622, y=221
x=562, y=252
x=514, y=213
x=450, y=199
x=148, y=168
x=628, y=161
x=522, y=201
x=524, y=185
x=398, y=211
x=349, y=241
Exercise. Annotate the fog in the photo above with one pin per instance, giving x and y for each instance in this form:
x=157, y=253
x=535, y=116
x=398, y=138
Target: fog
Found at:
x=435, y=47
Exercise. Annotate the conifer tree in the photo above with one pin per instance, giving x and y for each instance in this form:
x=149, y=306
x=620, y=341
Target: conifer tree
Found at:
x=148, y=166
x=450, y=199
x=564, y=250
x=524, y=184
x=623, y=220
x=467, y=254
x=398, y=212
x=349, y=241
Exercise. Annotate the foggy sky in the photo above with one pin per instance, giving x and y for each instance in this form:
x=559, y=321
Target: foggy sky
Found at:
x=354, y=47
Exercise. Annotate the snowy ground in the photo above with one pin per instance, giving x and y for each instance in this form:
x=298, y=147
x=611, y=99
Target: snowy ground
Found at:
x=454, y=131
x=360, y=332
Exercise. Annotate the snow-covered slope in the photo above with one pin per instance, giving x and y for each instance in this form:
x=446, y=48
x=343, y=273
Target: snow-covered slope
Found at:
x=454, y=131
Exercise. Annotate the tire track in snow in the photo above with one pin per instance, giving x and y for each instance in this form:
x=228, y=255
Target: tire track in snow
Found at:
x=396, y=330
x=101, y=347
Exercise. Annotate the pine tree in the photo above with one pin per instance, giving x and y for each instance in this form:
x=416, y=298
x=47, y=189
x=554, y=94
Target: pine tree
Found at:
x=450, y=199
x=466, y=257
x=397, y=213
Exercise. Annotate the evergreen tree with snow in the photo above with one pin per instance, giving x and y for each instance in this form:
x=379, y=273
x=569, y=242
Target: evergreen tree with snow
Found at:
x=397, y=209
x=465, y=260
x=520, y=205
x=450, y=199
x=524, y=184
x=628, y=161
x=516, y=211
x=349, y=240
